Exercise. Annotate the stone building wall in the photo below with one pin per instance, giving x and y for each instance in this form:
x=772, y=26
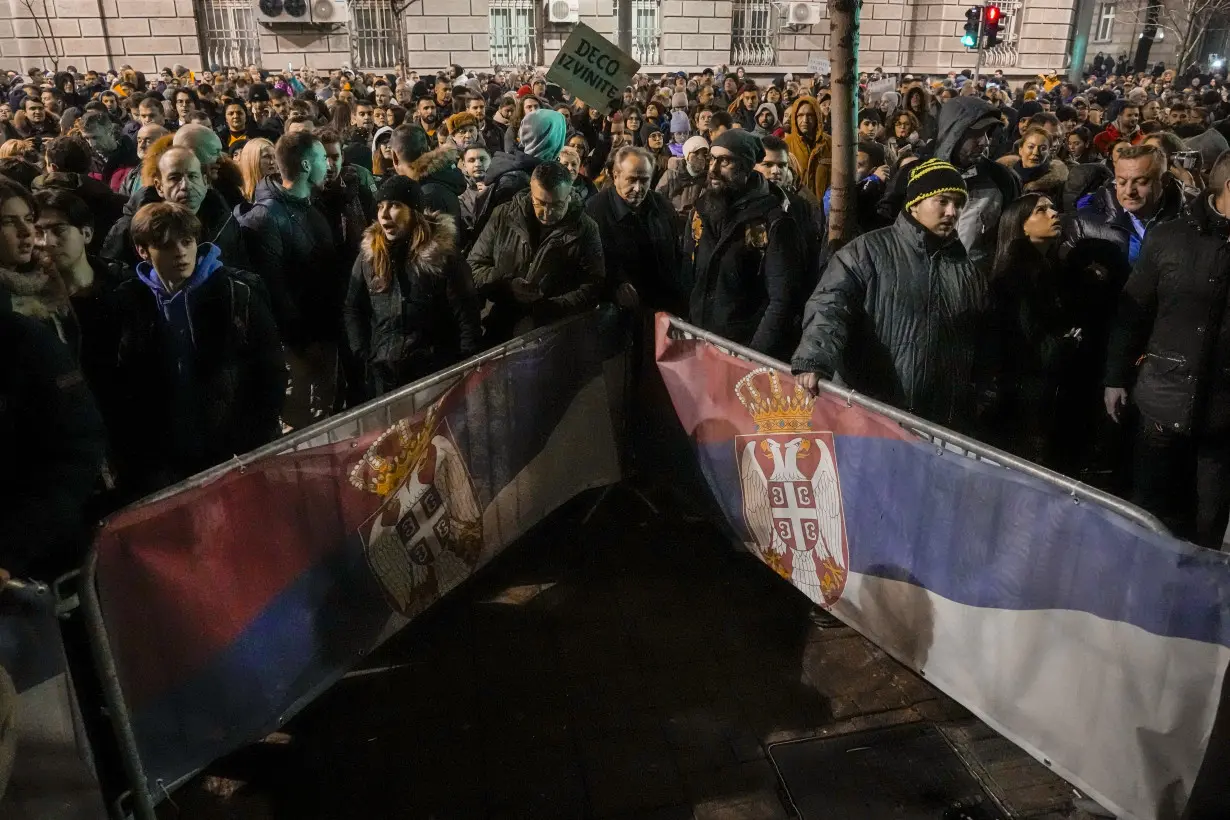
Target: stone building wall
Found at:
x=914, y=35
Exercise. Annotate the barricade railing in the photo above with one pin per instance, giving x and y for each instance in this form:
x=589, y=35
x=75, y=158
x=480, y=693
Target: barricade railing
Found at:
x=938, y=434
x=221, y=606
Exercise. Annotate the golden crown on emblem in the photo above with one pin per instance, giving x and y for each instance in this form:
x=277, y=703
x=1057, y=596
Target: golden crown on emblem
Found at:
x=779, y=411
x=394, y=454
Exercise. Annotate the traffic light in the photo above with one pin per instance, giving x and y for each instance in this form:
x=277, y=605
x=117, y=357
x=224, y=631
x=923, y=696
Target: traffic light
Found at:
x=991, y=18
x=970, y=38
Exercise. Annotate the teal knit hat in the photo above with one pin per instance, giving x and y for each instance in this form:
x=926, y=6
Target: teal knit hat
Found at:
x=543, y=133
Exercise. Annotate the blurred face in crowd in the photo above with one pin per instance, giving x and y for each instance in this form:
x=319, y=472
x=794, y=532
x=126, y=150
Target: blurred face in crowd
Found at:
x=281, y=107
x=35, y=110
x=444, y=94
x=1095, y=115
x=477, y=108
x=6, y=112
x=1118, y=148
x=655, y=141
x=427, y=111
x=571, y=160
x=765, y=119
x=539, y=88
x=183, y=105
x=550, y=204
x=704, y=120
x=317, y=162
x=939, y=213
x=379, y=119
x=726, y=171
x=862, y=165
x=260, y=110
x=476, y=161
x=101, y=138
x=383, y=95
x=773, y=95
x=1076, y=145
x=867, y=129
x=333, y=161
x=1177, y=116
x=632, y=179
x=180, y=179
x=174, y=261
x=775, y=167
x=1151, y=111
x=805, y=119
x=972, y=146
x=1035, y=150
x=268, y=161
x=394, y=220
x=362, y=116
x=236, y=117
x=149, y=113
x=578, y=143
x=1138, y=183
x=901, y=127
x=507, y=107
x=1043, y=221
x=62, y=242
x=698, y=161
x=1129, y=119
x=464, y=136
x=633, y=123
x=750, y=100
x=531, y=105
x=48, y=97
x=17, y=233
x=730, y=88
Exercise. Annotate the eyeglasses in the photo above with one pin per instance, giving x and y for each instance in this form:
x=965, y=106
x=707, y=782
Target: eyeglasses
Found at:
x=720, y=160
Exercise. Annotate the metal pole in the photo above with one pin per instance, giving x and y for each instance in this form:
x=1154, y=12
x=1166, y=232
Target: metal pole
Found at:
x=1080, y=41
x=982, y=14
x=623, y=26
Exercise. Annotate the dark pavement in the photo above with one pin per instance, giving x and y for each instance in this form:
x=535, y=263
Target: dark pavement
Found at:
x=632, y=667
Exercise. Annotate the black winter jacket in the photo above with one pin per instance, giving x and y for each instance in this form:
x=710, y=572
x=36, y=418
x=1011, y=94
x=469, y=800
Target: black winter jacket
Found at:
x=349, y=207
x=53, y=442
x=425, y=320
x=1173, y=311
x=507, y=176
x=236, y=387
x=563, y=262
x=899, y=315
x=442, y=181
x=640, y=248
x=218, y=227
x=746, y=273
x=291, y=246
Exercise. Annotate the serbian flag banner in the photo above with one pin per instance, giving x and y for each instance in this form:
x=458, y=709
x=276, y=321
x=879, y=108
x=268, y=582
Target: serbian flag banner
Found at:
x=1094, y=644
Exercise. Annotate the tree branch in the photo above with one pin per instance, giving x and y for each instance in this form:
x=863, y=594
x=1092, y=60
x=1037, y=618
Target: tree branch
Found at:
x=45, y=37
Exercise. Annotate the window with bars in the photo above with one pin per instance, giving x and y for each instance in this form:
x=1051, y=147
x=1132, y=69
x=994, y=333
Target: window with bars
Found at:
x=1006, y=54
x=1104, y=22
x=646, y=30
x=375, y=35
x=753, y=28
x=511, y=33
x=228, y=33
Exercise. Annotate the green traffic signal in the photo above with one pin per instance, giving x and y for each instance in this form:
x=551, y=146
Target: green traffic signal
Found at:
x=969, y=40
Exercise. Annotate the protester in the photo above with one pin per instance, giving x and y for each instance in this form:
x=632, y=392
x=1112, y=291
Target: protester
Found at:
x=539, y=257
x=898, y=311
x=433, y=167
x=809, y=144
x=257, y=160
x=1126, y=126
x=292, y=248
x=411, y=308
x=345, y=201
x=146, y=137
x=113, y=155
x=197, y=352
x=683, y=183
x=1034, y=166
x=67, y=164
x=743, y=256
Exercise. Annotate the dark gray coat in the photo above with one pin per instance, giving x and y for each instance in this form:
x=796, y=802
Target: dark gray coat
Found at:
x=898, y=315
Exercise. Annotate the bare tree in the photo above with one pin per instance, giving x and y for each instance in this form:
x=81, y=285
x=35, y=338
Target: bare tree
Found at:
x=1184, y=20
x=42, y=28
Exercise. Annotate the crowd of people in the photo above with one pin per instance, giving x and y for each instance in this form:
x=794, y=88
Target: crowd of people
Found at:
x=196, y=263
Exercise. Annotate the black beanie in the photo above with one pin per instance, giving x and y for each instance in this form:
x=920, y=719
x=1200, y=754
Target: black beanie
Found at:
x=932, y=177
x=401, y=189
x=742, y=144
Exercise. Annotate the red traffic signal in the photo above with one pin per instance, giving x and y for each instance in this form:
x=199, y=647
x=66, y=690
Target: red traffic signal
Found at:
x=990, y=14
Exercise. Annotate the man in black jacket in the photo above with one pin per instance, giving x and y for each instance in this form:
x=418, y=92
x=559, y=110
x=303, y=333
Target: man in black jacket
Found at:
x=639, y=236
x=433, y=167
x=1172, y=312
x=67, y=161
x=197, y=374
x=743, y=256
x=292, y=248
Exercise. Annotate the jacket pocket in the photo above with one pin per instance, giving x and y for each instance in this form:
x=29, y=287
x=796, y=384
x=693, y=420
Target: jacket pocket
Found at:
x=1164, y=390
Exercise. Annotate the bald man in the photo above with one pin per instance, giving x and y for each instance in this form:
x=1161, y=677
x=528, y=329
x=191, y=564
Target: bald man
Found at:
x=220, y=170
x=181, y=180
x=147, y=136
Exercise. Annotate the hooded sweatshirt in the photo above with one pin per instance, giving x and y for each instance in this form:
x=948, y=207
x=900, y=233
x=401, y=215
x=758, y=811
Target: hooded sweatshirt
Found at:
x=816, y=157
x=760, y=131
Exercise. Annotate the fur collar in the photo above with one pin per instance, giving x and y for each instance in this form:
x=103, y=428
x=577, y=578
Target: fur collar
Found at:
x=431, y=258
x=433, y=161
x=38, y=293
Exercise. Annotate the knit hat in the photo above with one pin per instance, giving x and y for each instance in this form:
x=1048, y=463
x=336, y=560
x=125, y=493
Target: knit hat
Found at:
x=680, y=124
x=459, y=121
x=524, y=91
x=929, y=178
x=401, y=189
x=1028, y=109
x=543, y=133
x=693, y=145
x=679, y=100
x=741, y=144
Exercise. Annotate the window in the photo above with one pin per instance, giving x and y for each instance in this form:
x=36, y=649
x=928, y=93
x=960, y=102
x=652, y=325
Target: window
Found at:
x=1103, y=22
x=512, y=42
x=228, y=33
x=753, y=28
x=1005, y=54
x=646, y=30
x=375, y=35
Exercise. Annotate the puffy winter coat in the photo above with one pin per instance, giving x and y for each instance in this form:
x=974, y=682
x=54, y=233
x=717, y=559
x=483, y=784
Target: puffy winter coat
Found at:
x=507, y=176
x=746, y=271
x=1173, y=310
x=1049, y=180
x=423, y=321
x=681, y=188
x=291, y=247
x=899, y=315
x=564, y=263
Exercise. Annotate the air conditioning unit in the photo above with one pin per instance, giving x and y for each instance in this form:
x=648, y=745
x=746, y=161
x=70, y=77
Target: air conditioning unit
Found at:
x=802, y=14
x=564, y=11
x=326, y=12
x=283, y=11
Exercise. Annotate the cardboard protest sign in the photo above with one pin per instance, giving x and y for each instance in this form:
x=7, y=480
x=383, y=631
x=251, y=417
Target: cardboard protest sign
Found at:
x=592, y=67
x=819, y=65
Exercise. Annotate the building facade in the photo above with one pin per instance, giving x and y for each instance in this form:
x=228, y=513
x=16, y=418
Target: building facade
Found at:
x=426, y=35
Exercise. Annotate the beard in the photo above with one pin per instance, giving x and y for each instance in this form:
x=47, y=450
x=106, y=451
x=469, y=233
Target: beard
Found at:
x=714, y=203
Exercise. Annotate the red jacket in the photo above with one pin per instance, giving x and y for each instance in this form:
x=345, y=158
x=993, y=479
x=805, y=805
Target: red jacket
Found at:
x=1106, y=139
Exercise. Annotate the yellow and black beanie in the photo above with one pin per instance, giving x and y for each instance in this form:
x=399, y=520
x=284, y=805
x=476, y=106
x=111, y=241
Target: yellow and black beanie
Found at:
x=931, y=177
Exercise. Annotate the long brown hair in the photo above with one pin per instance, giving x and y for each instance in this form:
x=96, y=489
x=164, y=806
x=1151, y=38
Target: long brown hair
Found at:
x=382, y=258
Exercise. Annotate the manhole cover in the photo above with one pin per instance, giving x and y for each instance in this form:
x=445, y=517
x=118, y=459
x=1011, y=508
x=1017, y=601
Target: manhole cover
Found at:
x=903, y=773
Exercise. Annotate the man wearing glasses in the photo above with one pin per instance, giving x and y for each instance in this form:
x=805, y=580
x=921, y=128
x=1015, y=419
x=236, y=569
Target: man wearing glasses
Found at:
x=743, y=256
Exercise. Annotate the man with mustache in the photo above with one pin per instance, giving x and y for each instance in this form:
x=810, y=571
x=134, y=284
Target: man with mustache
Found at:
x=897, y=312
x=743, y=255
